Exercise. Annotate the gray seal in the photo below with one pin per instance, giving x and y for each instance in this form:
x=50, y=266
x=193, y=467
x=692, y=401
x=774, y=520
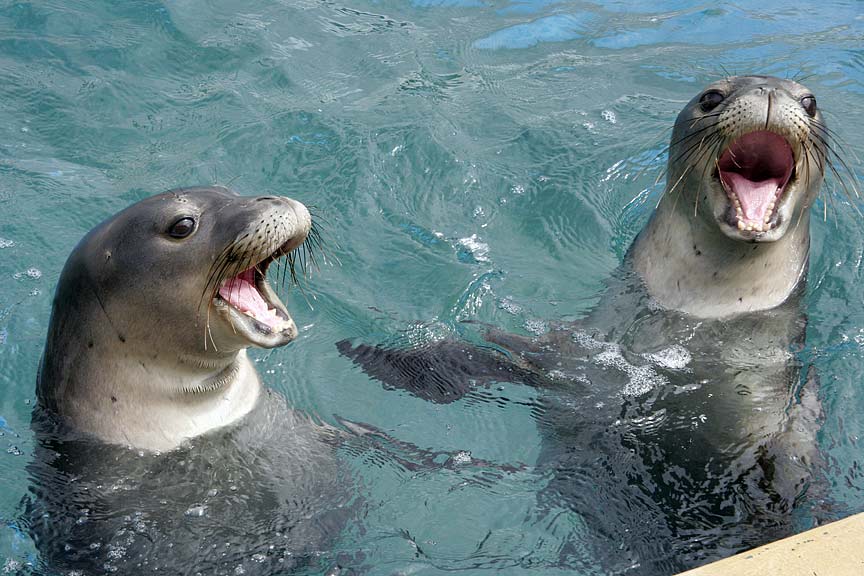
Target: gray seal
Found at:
x=154, y=310
x=157, y=447
x=679, y=426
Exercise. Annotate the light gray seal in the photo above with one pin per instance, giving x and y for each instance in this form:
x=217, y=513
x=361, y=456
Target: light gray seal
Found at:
x=679, y=426
x=154, y=310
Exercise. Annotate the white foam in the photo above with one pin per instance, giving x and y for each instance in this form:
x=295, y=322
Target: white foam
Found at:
x=479, y=250
x=675, y=357
x=640, y=379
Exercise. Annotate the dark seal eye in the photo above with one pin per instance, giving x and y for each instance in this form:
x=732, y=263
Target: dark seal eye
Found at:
x=809, y=104
x=182, y=227
x=710, y=100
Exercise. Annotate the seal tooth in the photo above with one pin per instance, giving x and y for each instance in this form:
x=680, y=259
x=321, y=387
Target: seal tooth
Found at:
x=749, y=227
x=758, y=227
x=741, y=225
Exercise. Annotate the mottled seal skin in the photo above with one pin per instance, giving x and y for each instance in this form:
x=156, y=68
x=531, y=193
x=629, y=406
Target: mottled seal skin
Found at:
x=158, y=450
x=678, y=425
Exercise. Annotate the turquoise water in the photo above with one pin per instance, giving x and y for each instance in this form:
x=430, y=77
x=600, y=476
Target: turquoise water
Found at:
x=471, y=160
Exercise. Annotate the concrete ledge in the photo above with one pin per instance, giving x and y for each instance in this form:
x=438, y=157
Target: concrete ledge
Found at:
x=835, y=549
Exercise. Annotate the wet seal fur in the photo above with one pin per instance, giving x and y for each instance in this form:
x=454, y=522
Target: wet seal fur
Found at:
x=678, y=425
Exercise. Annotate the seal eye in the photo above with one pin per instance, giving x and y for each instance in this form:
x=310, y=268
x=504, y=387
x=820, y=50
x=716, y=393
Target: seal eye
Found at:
x=182, y=227
x=809, y=104
x=711, y=100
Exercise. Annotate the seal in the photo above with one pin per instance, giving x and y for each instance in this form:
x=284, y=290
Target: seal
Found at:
x=154, y=310
x=146, y=349
x=677, y=425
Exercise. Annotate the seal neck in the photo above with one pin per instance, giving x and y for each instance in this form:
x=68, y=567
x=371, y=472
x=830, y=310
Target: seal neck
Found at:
x=689, y=265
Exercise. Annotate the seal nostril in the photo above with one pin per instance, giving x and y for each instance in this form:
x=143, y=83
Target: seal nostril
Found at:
x=263, y=198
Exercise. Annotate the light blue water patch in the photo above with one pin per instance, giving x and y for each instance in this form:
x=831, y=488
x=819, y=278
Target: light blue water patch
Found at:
x=420, y=234
x=447, y=3
x=558, y=28
x=528, y=6
x=723, y=26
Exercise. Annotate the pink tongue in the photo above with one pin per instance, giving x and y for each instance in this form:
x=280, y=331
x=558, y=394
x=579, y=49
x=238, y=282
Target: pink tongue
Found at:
x=241, y=293
x=753, y=196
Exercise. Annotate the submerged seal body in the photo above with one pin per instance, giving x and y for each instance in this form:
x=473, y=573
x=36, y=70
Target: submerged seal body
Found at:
x=158, y=449
x=678, y=425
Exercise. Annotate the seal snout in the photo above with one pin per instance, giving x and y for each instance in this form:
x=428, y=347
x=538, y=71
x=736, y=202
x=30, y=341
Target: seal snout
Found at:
x=755, y=170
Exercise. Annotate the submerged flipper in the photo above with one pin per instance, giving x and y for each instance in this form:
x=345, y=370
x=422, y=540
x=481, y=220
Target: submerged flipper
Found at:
x=441, y=372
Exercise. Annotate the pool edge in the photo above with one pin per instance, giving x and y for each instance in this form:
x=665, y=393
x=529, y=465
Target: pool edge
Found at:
x=835, y=549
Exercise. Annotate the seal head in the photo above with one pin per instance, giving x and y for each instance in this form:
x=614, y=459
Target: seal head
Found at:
x=746, y=161
x=155, y=307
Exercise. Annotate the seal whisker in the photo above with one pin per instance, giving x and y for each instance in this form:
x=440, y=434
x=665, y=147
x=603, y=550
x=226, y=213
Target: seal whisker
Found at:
x=829, y=153
x=683, y=174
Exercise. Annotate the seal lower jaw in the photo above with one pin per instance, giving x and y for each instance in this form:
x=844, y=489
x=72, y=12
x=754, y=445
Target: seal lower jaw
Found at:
x=252, y=308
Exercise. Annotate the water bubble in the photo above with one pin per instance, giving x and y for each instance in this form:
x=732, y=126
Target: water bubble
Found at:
x=14, y=451
x=473, y=249
x=4, y=243
x=536, y=327
x=509, y=306
x=33, y=273
x=609, y=116
x=674, y=358
x=462, y=457
x=196, y=511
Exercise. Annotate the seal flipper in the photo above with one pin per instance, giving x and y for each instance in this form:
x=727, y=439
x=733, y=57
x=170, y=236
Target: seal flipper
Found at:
x=441, y=372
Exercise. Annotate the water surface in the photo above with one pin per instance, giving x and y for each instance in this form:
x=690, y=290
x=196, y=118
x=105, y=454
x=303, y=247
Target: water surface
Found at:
x=472, y=160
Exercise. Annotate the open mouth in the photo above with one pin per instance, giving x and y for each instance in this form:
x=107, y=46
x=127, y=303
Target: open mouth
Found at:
x=755, y=171
x=251, y=297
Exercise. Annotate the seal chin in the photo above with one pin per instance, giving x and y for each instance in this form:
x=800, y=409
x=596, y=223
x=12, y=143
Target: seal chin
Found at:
x=757, y=175
x=252, y=308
